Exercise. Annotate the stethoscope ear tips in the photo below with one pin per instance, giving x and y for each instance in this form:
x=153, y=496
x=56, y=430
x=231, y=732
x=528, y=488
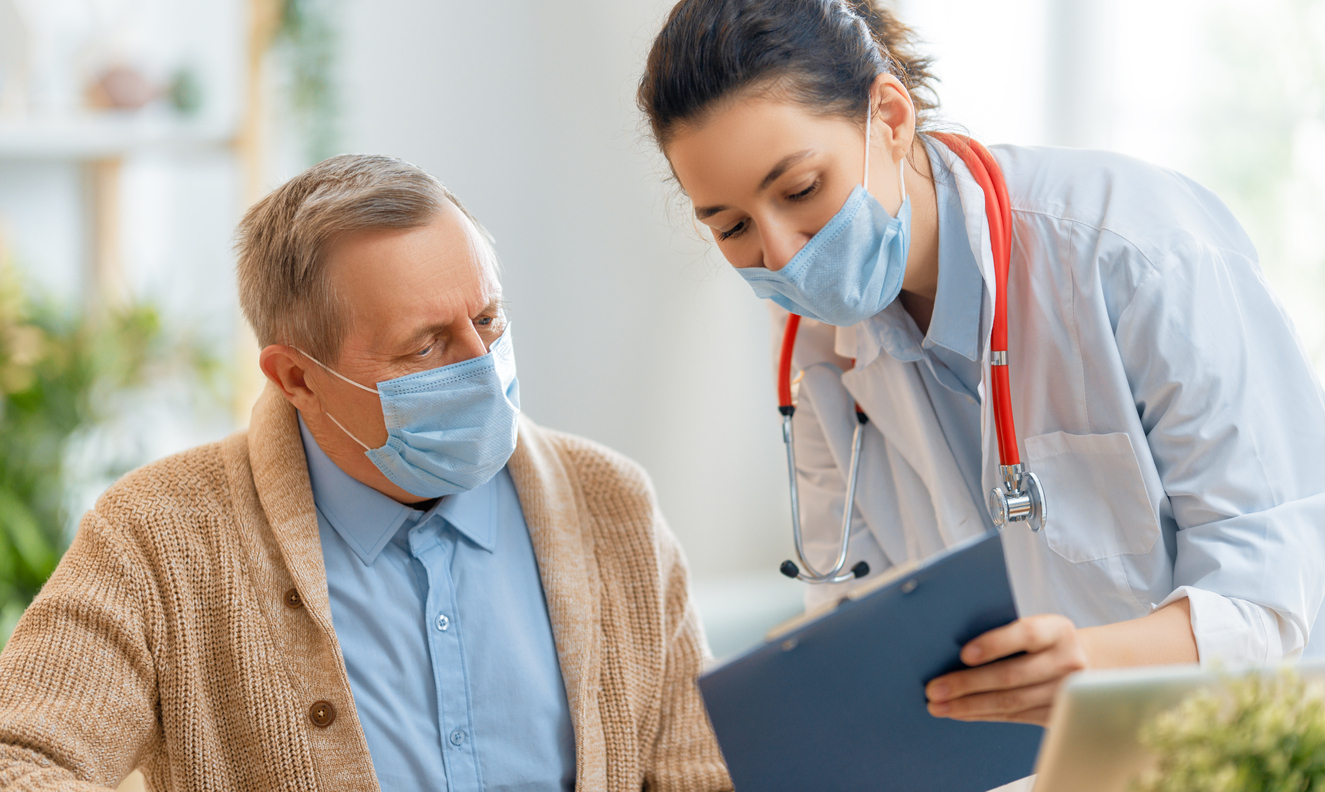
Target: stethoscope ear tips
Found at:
x=789, y=568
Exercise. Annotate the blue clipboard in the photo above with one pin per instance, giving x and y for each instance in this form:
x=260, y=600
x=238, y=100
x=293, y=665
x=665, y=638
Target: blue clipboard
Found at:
x=839, y=702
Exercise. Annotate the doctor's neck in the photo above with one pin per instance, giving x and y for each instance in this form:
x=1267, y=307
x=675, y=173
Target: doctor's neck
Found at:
x=920, y=284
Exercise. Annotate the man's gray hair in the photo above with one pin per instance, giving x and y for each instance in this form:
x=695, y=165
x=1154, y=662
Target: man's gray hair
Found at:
x=282, y=243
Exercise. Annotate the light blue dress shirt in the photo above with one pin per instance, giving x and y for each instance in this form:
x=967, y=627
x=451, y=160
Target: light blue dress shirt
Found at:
x=442, y=621
x=948, y=355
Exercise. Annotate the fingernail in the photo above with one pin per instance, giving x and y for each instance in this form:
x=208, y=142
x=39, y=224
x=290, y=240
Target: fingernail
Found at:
x=940, y=708
x=939, y=692
x=973, y=655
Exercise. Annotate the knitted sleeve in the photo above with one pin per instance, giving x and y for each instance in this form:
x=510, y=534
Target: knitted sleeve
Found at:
x=685, y=756
x=78, y=691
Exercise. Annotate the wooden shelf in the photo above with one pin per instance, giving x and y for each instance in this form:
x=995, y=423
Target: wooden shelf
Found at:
x=109, y=135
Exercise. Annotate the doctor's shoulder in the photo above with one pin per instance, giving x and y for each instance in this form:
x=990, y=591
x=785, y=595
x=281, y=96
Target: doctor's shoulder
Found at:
x=1123, y=211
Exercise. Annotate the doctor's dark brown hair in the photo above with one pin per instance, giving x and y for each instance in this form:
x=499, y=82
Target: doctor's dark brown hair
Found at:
x=824, y=53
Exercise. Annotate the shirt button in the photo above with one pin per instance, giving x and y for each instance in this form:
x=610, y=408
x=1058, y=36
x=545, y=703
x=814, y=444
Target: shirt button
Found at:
x=292, y=599
x=457, y=738
x=442, y=624
x=322, y=714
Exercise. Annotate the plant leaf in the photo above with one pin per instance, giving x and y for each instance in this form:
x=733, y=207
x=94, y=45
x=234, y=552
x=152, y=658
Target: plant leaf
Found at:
x=25, y=535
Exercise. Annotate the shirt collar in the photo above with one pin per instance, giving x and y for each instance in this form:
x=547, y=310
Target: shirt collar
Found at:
x=474, y=513
x=366, y=519
x=955, y=323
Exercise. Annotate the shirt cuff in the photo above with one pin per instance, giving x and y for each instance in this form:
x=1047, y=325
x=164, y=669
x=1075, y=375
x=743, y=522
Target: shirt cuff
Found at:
x=1235, y=632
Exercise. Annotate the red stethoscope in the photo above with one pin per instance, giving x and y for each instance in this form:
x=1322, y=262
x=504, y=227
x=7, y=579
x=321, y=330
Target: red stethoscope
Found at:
x=1021, y=496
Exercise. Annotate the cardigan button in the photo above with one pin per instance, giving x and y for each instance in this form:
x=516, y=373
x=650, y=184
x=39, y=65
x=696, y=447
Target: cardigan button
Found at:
x=322, y=714
x=292, y=599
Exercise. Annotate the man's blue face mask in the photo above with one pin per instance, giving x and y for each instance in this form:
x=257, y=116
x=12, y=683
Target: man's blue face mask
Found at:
x=852, y=268
x=449, y=429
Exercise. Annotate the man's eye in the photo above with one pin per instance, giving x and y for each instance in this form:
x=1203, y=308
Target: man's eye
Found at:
x=426, y=350
x=484, y=321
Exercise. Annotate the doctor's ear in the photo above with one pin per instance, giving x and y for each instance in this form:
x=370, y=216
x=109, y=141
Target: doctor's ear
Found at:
x=894, y=116
x=286, y=368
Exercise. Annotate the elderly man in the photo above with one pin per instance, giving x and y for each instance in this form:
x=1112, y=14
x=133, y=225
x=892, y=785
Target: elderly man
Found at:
x=391, y=580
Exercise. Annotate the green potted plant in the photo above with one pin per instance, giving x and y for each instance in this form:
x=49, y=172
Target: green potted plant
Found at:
x=1256, y=733
x=58, y=373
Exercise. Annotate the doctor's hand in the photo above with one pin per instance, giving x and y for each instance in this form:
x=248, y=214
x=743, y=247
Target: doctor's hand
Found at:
x=1001, y=687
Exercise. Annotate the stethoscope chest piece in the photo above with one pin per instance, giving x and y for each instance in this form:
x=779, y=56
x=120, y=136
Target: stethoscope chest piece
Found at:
x=1020, y=499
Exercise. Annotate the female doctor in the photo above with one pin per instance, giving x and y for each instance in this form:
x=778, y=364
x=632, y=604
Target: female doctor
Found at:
x=1162, y=401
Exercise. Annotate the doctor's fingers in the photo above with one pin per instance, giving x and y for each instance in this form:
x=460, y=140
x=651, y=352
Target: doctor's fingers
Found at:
x=1031, y=634
x=1012, y=673
x=1025, y=704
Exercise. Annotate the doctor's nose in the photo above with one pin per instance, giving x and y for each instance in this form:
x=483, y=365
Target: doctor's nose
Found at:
x=781, y=246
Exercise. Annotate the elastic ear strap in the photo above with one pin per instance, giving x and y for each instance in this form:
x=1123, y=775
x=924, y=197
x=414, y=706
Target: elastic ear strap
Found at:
x=901, y=178
x=869, y=113
x=335, y=373
x=366, y=447
x=901, y=174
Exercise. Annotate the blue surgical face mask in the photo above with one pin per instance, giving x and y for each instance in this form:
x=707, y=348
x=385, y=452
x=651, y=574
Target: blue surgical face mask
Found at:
x=852, y=268
x=449, y=429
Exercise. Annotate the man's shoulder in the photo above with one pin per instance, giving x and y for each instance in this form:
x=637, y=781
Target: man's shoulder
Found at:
x=597, y=468
x=612, y=491
x=186, y=487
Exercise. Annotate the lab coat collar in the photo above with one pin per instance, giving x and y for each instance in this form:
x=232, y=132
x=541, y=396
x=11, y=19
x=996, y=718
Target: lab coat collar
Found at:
x=972, y=200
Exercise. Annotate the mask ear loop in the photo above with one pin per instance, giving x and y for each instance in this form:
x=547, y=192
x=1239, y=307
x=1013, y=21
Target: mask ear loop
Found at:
x=901, y=163
x=335, y=373
x=332, y=371
x=869, y=114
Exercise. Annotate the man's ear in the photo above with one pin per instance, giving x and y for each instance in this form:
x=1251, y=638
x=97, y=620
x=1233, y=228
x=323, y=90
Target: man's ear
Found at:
x=284, y=366
x=894, y=115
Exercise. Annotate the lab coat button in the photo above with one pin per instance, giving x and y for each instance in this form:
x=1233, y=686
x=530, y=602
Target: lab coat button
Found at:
x=442, y=622
x=457, y=738
x=322, y=714
x=292, y=599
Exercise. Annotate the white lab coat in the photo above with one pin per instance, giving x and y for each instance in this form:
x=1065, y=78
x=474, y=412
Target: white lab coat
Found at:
x=1159, y=392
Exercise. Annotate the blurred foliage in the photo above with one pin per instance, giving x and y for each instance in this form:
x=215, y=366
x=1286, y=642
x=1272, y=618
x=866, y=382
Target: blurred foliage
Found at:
x=1259, y=733
x=58, y=376
x=307, y=43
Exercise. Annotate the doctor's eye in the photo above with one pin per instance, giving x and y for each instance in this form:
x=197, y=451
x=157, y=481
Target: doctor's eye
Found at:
x=806, y=193
x=426, y=351
x=734, y=231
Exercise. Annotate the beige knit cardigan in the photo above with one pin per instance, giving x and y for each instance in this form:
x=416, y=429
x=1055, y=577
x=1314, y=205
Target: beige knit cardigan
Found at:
x=169, y=637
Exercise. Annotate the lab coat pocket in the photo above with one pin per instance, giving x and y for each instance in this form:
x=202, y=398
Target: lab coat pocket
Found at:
x=1098, y=505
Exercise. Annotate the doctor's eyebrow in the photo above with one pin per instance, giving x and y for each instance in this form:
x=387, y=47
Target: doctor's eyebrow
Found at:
x=705, y=212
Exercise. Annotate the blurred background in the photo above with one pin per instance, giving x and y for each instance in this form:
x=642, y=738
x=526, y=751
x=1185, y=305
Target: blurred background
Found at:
x=133, y=133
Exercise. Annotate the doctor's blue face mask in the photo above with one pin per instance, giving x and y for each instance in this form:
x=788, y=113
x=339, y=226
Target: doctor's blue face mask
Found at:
x=449, y=429
x=852, y=268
